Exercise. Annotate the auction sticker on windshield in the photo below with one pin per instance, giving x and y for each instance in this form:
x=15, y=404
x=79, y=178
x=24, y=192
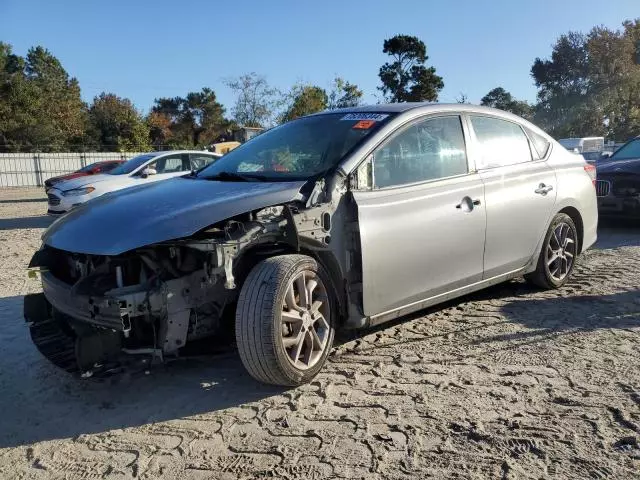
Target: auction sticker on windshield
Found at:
x=376, y=117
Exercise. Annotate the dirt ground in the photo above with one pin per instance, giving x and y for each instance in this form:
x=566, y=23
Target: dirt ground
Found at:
x=510, y=383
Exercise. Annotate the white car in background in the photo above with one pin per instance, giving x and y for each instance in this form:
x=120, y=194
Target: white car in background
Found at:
x=146, y=168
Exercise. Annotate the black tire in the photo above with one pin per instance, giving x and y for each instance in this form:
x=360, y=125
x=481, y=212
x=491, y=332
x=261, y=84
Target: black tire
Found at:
x=542, y=276
x=259, y=327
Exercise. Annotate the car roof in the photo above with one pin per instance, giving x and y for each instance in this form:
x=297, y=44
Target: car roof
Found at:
x=171, y=152
x=383, y=107
x=426, y=107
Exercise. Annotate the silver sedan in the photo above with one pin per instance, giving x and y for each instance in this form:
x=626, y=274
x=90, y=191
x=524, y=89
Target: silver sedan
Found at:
x=343, y=219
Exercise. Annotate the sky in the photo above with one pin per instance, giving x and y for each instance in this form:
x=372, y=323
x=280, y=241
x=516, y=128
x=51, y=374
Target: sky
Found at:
x=143, y=50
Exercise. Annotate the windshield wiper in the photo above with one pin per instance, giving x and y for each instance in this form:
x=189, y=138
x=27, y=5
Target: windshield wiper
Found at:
x=237, y=177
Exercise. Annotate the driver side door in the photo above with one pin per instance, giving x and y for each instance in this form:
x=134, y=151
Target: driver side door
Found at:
x=422, y=224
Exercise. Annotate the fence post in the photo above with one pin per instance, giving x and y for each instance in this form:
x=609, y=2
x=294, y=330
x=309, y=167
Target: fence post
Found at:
x=83, y=159
x=37, y=168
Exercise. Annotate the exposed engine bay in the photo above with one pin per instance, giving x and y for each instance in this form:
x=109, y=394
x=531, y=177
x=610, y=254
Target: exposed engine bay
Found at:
x=151, y=301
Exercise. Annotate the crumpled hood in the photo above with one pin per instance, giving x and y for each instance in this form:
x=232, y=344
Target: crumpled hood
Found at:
x=78, y=182
x=621, y=166
x=120, y=221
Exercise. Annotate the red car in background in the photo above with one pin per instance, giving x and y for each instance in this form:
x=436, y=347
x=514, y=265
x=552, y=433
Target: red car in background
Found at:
x=92, y=169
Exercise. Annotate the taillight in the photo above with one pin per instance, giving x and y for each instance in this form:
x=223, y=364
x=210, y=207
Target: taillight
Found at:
x=591, y=171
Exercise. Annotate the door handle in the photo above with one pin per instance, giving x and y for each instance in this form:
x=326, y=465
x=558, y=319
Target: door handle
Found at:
x=467, y=204
x=543, y=189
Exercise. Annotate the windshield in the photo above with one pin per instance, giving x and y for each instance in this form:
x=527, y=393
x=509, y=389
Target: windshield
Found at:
x=89, y=167
x=297, y=150
x=130, y=165
x=627, y=152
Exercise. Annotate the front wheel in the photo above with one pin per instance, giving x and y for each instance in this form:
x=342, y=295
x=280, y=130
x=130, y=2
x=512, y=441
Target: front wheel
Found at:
x=285, y=320
x=558, y=255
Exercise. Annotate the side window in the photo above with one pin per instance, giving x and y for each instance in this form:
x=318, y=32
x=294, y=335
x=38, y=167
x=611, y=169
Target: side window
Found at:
x=500, y=143
x=540, y=144
x=200, y=160
x=168, y=164
x=427, y=150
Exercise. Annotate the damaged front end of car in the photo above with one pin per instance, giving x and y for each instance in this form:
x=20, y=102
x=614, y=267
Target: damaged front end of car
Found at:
x=98, y=314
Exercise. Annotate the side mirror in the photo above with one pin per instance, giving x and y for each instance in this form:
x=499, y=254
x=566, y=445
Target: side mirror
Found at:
x=148, y=171
x=606, y=154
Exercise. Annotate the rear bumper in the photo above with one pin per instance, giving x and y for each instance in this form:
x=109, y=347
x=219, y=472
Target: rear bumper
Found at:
x=621, y=207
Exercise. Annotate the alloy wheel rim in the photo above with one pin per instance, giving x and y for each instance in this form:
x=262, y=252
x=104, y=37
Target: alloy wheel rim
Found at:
x=561, y=251
x=305, y=320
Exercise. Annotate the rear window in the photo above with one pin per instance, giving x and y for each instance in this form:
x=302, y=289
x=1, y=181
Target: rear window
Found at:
x=540, y=144
x=89, y=167
x=627, y=152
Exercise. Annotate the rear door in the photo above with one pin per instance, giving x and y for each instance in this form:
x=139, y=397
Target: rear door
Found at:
x=422, y=224
x=520, y=192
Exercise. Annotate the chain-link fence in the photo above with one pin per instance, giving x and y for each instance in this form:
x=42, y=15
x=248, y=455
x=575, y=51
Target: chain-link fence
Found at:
x=32, y=169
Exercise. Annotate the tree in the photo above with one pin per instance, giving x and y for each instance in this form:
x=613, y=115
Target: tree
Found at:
x=256, y=101
x=117, y=125
x=12, y=84
x=343, y=94
x=63, y=113
x=41, y=104
x=462, y=98
x=196, y=120
x=159, y=125
x=305, y=100
x=591, y=84
x=503, y=100
x=407, y=78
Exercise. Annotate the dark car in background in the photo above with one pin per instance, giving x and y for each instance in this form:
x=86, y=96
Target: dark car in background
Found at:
x=92, y=169
x=618, y=182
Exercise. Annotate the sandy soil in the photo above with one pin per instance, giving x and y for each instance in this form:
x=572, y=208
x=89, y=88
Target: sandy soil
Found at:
x=510, y=383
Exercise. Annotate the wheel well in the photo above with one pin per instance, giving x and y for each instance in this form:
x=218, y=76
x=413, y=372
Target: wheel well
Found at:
x=253, y=256
x=577, y=220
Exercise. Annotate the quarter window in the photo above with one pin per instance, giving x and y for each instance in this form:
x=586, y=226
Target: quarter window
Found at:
x=427, y=150
x=540, y=144
x=500, y=143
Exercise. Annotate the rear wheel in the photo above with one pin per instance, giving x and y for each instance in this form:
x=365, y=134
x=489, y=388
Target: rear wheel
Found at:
x=558, y=255
x=284, y=320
